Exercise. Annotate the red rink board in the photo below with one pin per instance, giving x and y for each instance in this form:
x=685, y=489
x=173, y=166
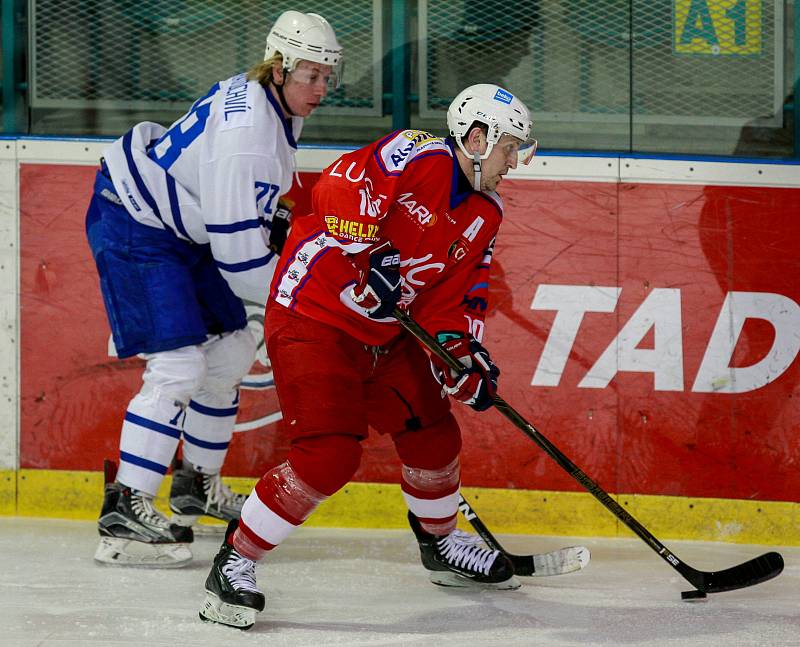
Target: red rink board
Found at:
x=677, y=251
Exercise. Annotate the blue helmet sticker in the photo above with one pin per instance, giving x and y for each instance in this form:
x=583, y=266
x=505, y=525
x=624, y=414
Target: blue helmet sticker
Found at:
x=503, y=96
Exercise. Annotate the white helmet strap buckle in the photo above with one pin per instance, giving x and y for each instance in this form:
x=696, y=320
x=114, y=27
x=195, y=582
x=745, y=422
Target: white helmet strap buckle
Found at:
x=476, y=167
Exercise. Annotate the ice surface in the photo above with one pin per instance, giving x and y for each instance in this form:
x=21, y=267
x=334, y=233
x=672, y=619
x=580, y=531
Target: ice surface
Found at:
x=367, y=588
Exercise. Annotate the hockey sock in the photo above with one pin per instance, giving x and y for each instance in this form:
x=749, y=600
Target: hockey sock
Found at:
x=207, y=430
x=432, y=495
x=280, y=502
x=149, y=438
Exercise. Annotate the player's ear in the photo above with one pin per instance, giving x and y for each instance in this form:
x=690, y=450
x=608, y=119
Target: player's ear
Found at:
x=476, y=140
x=277, y=73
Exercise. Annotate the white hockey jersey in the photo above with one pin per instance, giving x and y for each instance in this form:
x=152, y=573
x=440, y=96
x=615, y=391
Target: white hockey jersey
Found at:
x=214, y=177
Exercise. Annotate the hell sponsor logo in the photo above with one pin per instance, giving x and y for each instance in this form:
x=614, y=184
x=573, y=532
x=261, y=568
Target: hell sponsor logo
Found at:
x=355, y=230
x=660, y=312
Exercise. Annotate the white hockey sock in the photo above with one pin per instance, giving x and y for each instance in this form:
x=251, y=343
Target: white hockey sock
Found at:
x=150, y=435
x=207, y=430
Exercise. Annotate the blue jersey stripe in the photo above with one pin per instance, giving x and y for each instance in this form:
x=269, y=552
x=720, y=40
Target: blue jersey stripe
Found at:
x=213, y=411
x=203, y=443
x=478, y=286
x=172, y=193
x=233, y=227
x=137, y=178
x=143, y=462
x=152, y=425
x=246, y=265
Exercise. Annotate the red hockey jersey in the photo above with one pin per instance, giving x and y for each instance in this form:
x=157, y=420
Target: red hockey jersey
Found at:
x=406, y=188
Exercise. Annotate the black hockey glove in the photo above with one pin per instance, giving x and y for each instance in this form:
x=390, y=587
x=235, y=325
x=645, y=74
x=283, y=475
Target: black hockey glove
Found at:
x=476, y=385
x=280, y=226
x=379, y=289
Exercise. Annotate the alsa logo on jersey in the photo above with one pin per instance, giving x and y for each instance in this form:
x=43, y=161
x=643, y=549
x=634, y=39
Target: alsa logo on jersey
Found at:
x=503, y=96
x=397, y=152
x=421, y=212
x=358, y=232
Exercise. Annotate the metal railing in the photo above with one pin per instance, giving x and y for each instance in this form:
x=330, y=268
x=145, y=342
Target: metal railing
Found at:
x=611, y=74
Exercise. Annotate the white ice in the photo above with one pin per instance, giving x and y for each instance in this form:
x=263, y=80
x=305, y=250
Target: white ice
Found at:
x=367, y=588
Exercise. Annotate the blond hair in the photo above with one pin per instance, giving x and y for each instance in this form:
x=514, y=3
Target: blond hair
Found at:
x=262, y=72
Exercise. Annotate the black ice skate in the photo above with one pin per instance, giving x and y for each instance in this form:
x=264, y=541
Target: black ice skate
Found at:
x=457, y=560
x=194, y=495
x=232, y=597
x=134, y=533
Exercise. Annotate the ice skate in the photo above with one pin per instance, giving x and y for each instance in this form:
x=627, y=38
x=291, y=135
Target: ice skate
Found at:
x=134, y=533
x=457, y=560
x=232, y=597
x=194, y=495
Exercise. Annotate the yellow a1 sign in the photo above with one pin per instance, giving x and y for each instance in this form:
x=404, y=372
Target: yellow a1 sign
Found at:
x=717, y=27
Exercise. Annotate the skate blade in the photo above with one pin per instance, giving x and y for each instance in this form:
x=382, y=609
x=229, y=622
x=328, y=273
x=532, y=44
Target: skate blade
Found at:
x=448, y=578
x=127, y=552
x=215, y=610
x=184, y=520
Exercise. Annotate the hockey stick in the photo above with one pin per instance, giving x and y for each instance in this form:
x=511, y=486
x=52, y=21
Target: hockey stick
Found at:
x=754, y=571
x=557, y=562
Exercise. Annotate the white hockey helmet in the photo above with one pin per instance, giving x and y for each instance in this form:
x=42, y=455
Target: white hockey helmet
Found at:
x=305, y=36
x=499, y=110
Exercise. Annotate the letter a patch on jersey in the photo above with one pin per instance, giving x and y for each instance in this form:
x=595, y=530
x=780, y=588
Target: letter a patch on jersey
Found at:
x=472, y=231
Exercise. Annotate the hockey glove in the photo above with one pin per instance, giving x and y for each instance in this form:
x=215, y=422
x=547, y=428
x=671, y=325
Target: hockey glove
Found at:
x=379, y=289
x=280, y=226
x=476, y=385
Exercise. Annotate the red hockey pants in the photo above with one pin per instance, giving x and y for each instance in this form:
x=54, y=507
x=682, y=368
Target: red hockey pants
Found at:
x=331, y=388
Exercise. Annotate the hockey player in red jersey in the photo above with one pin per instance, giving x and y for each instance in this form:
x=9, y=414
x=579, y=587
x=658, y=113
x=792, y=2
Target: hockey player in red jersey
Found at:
x=409, y=220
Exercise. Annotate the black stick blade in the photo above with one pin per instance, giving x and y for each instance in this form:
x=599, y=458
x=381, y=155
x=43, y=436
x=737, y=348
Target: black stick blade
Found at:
x=757, y=570
x=523, y=564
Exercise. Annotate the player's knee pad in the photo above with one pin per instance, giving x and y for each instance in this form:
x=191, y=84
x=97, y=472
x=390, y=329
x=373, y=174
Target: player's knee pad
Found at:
x=174, y=374
x=327, y=462
x=229, y=358
x=433, y=446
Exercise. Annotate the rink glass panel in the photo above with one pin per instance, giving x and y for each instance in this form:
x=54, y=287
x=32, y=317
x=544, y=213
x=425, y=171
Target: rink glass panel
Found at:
x=675, y=76
x=98, y=66
x=647, y=75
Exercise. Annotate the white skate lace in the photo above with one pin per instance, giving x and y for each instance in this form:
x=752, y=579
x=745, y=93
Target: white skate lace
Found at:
x=142, y=506
x=241, y=573
x=461, y=549
x=220, y=495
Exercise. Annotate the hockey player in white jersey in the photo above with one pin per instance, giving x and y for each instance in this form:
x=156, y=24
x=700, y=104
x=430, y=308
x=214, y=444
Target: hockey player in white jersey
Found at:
x=185, y=223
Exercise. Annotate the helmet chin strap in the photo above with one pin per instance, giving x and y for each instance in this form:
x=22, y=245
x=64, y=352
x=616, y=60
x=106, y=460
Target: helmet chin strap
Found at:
x=279, y=90
x=476, y=168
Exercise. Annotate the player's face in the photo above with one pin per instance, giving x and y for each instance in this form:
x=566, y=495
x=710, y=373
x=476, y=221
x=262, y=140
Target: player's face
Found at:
x=306, y=87
x=502, y=159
